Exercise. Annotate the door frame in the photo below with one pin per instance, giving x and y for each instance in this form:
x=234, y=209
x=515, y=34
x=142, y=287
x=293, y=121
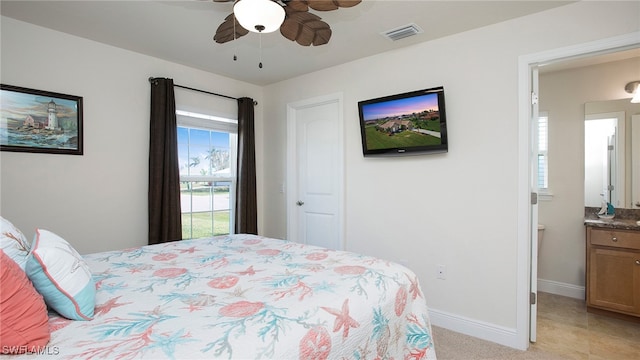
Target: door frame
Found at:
x=524, y=249
x=292, y=168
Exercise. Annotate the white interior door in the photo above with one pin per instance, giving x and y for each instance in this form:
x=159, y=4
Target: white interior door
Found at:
x=533, y=312
x=315, y=172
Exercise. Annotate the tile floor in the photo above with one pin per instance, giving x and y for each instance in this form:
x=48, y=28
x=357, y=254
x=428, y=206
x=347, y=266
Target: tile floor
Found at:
x=565, y=328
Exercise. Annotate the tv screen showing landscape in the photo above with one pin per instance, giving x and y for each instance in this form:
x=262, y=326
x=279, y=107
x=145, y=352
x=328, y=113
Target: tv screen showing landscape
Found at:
x=404, y=124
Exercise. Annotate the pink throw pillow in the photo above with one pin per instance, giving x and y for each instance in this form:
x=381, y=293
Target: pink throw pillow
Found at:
x=25, y=321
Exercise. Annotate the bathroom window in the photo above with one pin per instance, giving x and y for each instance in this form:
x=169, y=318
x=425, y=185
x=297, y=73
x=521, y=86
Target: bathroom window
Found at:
x=543, y=153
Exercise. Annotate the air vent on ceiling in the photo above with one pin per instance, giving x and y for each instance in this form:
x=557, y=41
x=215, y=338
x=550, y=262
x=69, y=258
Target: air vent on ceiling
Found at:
x=402, y=32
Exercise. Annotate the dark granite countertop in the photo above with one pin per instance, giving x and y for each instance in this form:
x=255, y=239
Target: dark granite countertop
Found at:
x=613, y=223
x=625, y=219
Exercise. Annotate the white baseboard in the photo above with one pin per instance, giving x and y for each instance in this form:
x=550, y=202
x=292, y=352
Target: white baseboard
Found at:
x=563, y=289
x=495, y=333
x=479, y=329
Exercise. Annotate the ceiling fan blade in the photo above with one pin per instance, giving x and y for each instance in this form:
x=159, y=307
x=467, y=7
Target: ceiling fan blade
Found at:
x=305, y=28
x=321, y=5
x=347, y=3
x=297, y=5
x=225, y=32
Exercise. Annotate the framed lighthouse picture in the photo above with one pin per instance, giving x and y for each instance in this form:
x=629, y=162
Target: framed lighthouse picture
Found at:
x=40, y=121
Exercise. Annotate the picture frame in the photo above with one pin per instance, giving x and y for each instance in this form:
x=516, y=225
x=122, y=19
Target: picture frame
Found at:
x=38, y=121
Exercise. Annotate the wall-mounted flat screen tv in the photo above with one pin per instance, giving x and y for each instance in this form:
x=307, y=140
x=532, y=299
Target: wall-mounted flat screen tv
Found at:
x=404, y=124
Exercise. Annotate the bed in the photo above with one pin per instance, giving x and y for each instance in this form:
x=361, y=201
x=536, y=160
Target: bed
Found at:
x=245, y=297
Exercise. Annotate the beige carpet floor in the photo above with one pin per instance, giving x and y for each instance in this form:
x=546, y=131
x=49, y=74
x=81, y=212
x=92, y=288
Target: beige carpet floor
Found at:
x=455, y=346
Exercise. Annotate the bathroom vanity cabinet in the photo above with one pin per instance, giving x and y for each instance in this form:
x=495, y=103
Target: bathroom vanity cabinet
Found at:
x=613, y=271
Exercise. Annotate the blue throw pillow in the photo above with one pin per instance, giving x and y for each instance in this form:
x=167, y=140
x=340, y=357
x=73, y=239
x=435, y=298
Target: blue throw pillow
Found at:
x=62, y=276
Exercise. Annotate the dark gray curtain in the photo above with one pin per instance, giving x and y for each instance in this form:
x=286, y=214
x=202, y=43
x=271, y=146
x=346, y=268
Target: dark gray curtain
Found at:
x=246, y=198
x=165, y=223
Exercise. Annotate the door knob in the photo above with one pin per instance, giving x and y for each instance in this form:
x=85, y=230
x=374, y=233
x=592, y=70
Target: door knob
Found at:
x=300, y=203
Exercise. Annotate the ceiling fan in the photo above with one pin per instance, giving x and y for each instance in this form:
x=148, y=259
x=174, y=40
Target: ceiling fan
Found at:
x=292, y=17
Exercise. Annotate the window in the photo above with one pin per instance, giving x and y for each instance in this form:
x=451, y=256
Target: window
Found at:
x=207, y=153
x=543, y=153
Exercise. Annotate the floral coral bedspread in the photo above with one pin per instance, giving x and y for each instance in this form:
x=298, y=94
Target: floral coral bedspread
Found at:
x=247, y=297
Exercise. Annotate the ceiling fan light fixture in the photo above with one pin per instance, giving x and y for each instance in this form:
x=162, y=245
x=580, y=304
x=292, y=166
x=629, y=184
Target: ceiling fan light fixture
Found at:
x=633, y=88
x=260, y=16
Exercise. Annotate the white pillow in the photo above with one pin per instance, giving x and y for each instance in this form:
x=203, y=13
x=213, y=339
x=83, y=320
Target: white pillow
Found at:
x=62, y=276
x=13, y=242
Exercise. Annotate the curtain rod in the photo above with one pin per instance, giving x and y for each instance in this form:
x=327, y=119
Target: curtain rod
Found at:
x=151, y=79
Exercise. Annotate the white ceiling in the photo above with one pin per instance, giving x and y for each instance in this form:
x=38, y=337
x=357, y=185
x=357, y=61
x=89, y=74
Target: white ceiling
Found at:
x=182, y=31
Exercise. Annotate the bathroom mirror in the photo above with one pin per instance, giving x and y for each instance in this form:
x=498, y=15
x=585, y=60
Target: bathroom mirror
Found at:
x=611, y=170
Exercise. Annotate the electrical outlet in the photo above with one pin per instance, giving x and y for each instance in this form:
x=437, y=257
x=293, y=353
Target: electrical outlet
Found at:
x=441, y=272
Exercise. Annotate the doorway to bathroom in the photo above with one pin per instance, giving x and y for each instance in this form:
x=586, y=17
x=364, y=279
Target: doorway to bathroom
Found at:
x=528, y=213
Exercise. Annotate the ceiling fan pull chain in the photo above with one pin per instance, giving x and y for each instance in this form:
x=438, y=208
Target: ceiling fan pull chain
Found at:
x=235, y=50
x=260, y=64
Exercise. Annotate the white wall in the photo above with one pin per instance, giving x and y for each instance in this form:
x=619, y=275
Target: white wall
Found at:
x=563, y=95
x=458, y=209
x=97, y=201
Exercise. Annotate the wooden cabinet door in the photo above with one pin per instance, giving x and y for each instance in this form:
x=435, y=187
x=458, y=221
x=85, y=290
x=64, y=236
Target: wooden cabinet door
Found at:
x=614, y=280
